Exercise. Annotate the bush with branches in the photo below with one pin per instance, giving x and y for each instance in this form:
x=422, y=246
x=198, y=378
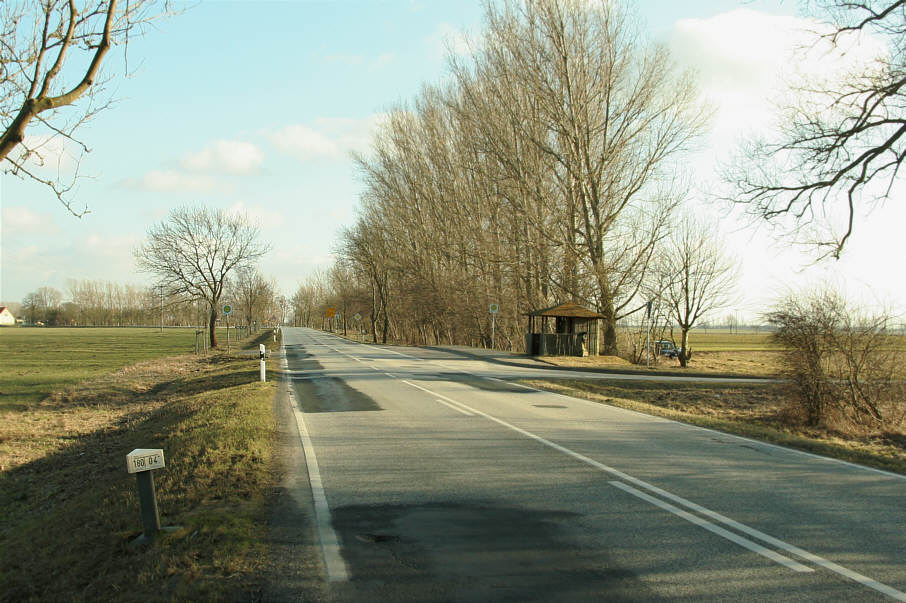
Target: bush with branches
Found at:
x=842, y=361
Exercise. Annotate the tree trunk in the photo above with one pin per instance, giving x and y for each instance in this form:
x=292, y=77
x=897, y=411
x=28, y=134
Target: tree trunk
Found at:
x=609, y=329
x=212, y=323
x=684, y=348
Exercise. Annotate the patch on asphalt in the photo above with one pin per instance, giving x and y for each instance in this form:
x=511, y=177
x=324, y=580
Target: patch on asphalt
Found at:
x=331, y=394
x=461, y=552
x=297, y=359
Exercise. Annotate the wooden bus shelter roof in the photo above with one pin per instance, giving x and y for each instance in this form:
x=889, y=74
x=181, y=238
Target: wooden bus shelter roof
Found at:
x=567, y=310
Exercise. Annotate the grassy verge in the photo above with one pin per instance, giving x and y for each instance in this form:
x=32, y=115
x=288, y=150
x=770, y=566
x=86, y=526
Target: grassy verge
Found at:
x=69, y=510
x=753, y=410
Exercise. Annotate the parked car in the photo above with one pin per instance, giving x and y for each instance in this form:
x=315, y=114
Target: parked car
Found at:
x=665, y=347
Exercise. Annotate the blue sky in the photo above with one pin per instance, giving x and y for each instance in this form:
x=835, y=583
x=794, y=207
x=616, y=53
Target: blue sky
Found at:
x=255, y=106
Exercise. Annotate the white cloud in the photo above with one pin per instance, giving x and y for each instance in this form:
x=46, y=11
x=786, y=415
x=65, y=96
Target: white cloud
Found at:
x=174, y=180
x=447, y=39
x=746, y=61
x=326, y=138
x=257, y=214
x=198, y=172
x=107, y=245
x=52, y=153
x=357, y=60
x=22, y=220
x=305, y=143
x=231, y=156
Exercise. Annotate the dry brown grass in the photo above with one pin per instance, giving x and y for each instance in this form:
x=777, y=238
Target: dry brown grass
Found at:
x=745, y=363
x=761, y=411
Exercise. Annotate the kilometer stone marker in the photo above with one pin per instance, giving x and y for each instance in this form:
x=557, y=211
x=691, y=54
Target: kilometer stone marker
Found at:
x=141, y=462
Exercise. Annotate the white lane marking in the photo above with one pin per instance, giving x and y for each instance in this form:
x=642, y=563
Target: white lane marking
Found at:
x=391, y=376
x=743, y=542
x=455, y=407
x=714, y=431
x=386, y=349
x=817, y=560
x=830, y=565
x=330, y=543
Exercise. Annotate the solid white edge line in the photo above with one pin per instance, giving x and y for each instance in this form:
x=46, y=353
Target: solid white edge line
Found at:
x=830, y=565
x=330, y=543
x=709, y=430
x=743, y=542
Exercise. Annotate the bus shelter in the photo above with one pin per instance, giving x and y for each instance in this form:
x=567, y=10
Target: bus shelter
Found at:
x=563, y=330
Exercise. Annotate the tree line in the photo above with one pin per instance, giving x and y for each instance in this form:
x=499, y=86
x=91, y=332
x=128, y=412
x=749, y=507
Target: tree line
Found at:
x=100, y=303
x=545, y=170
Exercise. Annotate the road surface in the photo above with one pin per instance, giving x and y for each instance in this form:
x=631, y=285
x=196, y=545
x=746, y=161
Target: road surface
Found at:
x=433, y=478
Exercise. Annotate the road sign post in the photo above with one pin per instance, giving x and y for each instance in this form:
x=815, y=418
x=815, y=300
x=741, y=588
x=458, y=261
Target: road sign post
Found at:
x=227, y=310
x=493, y=309
x=358, y=324
x=261, y=353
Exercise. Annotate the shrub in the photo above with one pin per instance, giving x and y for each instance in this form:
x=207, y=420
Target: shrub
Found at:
x=841, y=361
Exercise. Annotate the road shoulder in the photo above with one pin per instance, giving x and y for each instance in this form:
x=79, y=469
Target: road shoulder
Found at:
x=295, y=569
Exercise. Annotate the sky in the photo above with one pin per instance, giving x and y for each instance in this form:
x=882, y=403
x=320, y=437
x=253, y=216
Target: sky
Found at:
x=255, y=107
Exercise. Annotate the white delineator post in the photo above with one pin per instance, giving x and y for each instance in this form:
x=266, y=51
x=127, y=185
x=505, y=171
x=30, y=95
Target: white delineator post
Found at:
x=261, y=353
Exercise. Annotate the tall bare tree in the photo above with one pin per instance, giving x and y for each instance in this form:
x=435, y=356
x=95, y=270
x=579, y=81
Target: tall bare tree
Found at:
x=841, y=144
x=51, y=54
x=698, y=275
x=607, y=113
x=195, y=249
x=253, y=294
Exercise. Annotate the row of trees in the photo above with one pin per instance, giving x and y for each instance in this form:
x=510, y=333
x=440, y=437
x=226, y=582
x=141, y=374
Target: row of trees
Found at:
x=103, y=303
x=545, y=172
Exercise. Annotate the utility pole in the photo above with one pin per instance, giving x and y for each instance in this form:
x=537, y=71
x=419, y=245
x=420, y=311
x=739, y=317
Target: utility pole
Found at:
x=161, y=308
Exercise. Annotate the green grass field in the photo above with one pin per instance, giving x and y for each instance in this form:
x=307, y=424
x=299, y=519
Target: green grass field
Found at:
x=38, y=361
x=724, y=340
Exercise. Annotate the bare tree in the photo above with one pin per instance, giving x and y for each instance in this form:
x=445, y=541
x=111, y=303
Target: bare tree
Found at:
x=310, y=300
x=606, y=112
x=41, y=304
x=253, y=295
x=51, y=53
x=195, y=249
x=842, y=142
x=699, y=277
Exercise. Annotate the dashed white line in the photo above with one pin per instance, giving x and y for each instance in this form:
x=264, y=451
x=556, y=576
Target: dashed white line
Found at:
x=455, y=407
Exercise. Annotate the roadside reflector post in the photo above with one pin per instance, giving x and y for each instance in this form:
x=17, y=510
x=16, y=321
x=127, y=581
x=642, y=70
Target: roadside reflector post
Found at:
x=142, y=462
x=261, y=352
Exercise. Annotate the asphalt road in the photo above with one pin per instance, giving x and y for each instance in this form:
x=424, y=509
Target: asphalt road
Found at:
x=433, y=478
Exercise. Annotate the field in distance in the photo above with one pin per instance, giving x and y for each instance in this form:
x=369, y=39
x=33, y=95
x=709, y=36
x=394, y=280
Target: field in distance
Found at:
x=38, y=361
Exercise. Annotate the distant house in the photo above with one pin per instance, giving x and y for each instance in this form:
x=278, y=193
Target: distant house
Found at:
x=6, y=317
